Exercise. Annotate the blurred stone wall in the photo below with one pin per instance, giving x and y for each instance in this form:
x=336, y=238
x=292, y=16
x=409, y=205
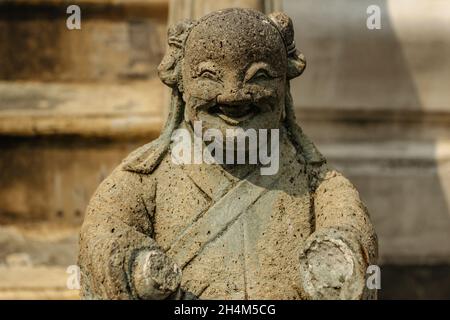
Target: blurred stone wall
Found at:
x=377, y=104
x=73, y=104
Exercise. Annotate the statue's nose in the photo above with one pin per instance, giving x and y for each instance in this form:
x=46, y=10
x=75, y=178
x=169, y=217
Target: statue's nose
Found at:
x=234, y=97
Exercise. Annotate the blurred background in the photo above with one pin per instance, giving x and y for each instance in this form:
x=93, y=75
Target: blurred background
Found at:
x=74, y=103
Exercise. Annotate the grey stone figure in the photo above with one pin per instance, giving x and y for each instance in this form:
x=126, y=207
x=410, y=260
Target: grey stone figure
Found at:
x=159, y=230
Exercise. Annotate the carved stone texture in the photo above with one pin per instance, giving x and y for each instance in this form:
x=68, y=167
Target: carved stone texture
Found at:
x=155, y=229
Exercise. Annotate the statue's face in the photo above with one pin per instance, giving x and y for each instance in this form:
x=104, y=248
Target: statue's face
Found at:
x=234, y=73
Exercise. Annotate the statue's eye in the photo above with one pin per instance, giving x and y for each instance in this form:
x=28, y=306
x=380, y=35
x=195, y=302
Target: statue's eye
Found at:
x=261, y=75
x=208, y=74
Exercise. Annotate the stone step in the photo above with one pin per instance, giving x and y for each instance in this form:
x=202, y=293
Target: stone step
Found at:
x=35, y=260
x=119, y=111
x=35, y=283
x=332, y=124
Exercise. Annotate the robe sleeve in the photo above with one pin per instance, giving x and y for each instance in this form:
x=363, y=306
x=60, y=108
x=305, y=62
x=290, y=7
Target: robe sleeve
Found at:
x=343, y=233
x=337, y=205
x=117, y=227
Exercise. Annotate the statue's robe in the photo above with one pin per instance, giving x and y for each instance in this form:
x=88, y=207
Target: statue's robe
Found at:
x=235, y=237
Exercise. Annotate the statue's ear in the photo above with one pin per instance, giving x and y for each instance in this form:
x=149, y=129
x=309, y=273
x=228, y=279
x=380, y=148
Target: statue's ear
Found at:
x=296, y=60
x=169, y=69
x=296, y=65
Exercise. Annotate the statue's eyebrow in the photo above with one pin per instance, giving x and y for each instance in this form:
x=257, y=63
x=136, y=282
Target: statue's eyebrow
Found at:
x=205, y=65
x=258, y=66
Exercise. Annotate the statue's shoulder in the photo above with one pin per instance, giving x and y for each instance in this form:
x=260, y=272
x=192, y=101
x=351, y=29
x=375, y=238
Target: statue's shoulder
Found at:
x=145, y=159
x=124, y=185
x=132, y=175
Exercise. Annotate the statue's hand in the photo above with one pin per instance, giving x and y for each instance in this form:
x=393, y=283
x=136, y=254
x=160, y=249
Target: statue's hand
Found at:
x=332, y=266
x=155, y=275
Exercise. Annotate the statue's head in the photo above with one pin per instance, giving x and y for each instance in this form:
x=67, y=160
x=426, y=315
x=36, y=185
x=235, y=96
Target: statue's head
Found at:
x=232, y=68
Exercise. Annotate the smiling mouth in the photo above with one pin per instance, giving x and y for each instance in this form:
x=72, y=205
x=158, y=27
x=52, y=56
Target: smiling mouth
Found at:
x=234, y=114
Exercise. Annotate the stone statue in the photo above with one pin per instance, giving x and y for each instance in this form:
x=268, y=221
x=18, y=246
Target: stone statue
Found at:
x=156, y=229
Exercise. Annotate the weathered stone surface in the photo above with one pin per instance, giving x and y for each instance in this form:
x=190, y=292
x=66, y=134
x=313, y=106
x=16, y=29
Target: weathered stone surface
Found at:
x=231, y=231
